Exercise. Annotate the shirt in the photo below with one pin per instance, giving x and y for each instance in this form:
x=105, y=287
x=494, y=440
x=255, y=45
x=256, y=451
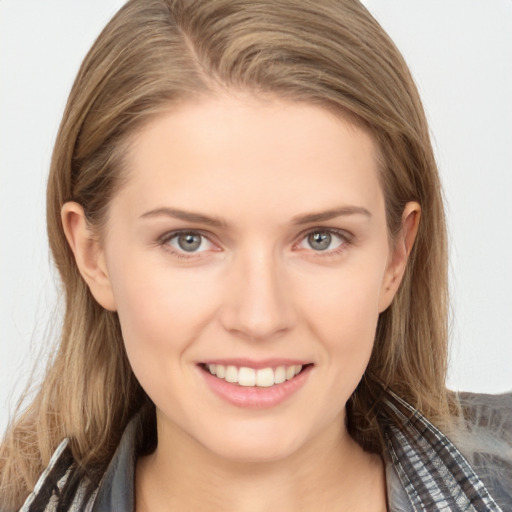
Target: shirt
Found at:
x=425, y=471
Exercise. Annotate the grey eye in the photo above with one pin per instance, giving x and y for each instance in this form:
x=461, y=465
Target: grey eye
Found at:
x=319, y=241
x=188, y=242
x=323, y=240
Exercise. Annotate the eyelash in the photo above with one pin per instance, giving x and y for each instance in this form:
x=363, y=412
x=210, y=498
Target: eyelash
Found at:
x=346, y=238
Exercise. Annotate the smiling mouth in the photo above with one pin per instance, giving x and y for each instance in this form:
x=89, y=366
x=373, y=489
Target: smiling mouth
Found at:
x=251, y=377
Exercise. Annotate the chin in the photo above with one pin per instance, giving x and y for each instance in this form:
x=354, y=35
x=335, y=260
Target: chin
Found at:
x=261, y=452
x=252, y=444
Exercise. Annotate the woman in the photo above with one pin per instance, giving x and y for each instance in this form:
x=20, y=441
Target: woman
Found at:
x=245, y=211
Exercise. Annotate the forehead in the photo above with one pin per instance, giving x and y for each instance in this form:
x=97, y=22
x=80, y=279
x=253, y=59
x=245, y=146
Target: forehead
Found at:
x=246, y=152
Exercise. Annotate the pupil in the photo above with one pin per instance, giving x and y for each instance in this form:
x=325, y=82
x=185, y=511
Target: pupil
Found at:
x=319, y=241
x=189, y=242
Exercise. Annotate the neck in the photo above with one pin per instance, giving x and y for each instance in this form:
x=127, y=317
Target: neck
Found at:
x=331, y=472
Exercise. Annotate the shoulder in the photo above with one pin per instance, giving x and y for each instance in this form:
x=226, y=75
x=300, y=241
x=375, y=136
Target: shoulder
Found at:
x=487, y=424
x=485, y=400
x=59, y=485
x=468, y=466
x=62, y=486
x=484, y=437
x=488, y=411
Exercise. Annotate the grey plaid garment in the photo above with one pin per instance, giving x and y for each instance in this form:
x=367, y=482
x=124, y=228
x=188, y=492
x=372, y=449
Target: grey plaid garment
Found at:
x=434, y=473
x=424, y=470
x=46, y=494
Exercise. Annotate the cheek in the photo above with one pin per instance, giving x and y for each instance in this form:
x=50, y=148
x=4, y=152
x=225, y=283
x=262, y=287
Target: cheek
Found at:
x=160, y=311
x=345, y=302
x=343, y=311
x=351, y=333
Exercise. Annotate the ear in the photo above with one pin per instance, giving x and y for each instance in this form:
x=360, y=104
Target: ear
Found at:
x=400, y=254
x=89, y=255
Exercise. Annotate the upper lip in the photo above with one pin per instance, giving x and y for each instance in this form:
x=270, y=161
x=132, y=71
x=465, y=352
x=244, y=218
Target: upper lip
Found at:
x=257, y=364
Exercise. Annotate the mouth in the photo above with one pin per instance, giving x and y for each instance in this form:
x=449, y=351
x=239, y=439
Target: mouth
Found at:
x=246, y=376
x=255, y=384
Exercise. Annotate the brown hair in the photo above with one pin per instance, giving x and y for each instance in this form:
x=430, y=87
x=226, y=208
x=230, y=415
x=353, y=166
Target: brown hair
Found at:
x=154, y=52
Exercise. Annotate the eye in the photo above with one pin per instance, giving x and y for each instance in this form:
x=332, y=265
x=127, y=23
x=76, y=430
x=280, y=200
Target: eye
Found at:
x=323, y=240
x=188, y=242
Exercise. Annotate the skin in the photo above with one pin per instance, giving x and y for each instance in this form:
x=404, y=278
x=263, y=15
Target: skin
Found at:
x=256, y=289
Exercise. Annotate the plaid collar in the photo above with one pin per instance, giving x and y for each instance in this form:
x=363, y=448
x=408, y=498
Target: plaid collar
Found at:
x=433, y=472
x=425, y=471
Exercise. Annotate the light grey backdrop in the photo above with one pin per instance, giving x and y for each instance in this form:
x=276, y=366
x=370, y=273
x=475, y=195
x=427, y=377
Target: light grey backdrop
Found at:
x=460, y=53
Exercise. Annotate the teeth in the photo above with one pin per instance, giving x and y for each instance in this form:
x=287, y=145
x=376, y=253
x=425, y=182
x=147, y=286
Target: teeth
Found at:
x=265, y=377
x=290, y=372
x=280, y=374
x=246, y=377
x=231, y=374
x=249, y=377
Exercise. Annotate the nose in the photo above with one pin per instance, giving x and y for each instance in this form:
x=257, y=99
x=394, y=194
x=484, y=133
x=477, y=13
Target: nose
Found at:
x=258, y=305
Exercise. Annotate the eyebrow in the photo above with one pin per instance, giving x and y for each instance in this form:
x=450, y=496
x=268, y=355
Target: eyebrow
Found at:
x=199, y=218
x=330, y=214
x=218, y=222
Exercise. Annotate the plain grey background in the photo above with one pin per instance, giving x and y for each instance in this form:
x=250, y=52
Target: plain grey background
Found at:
x=460, y=53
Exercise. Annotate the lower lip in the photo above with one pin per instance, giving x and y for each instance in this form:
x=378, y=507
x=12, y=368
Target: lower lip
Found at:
x=252, y=396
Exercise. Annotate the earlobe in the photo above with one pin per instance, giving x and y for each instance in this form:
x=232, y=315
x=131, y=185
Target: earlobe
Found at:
x=400, y=254
x=89, y=256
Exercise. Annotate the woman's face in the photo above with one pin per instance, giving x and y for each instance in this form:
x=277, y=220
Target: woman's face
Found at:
x=250, y=236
